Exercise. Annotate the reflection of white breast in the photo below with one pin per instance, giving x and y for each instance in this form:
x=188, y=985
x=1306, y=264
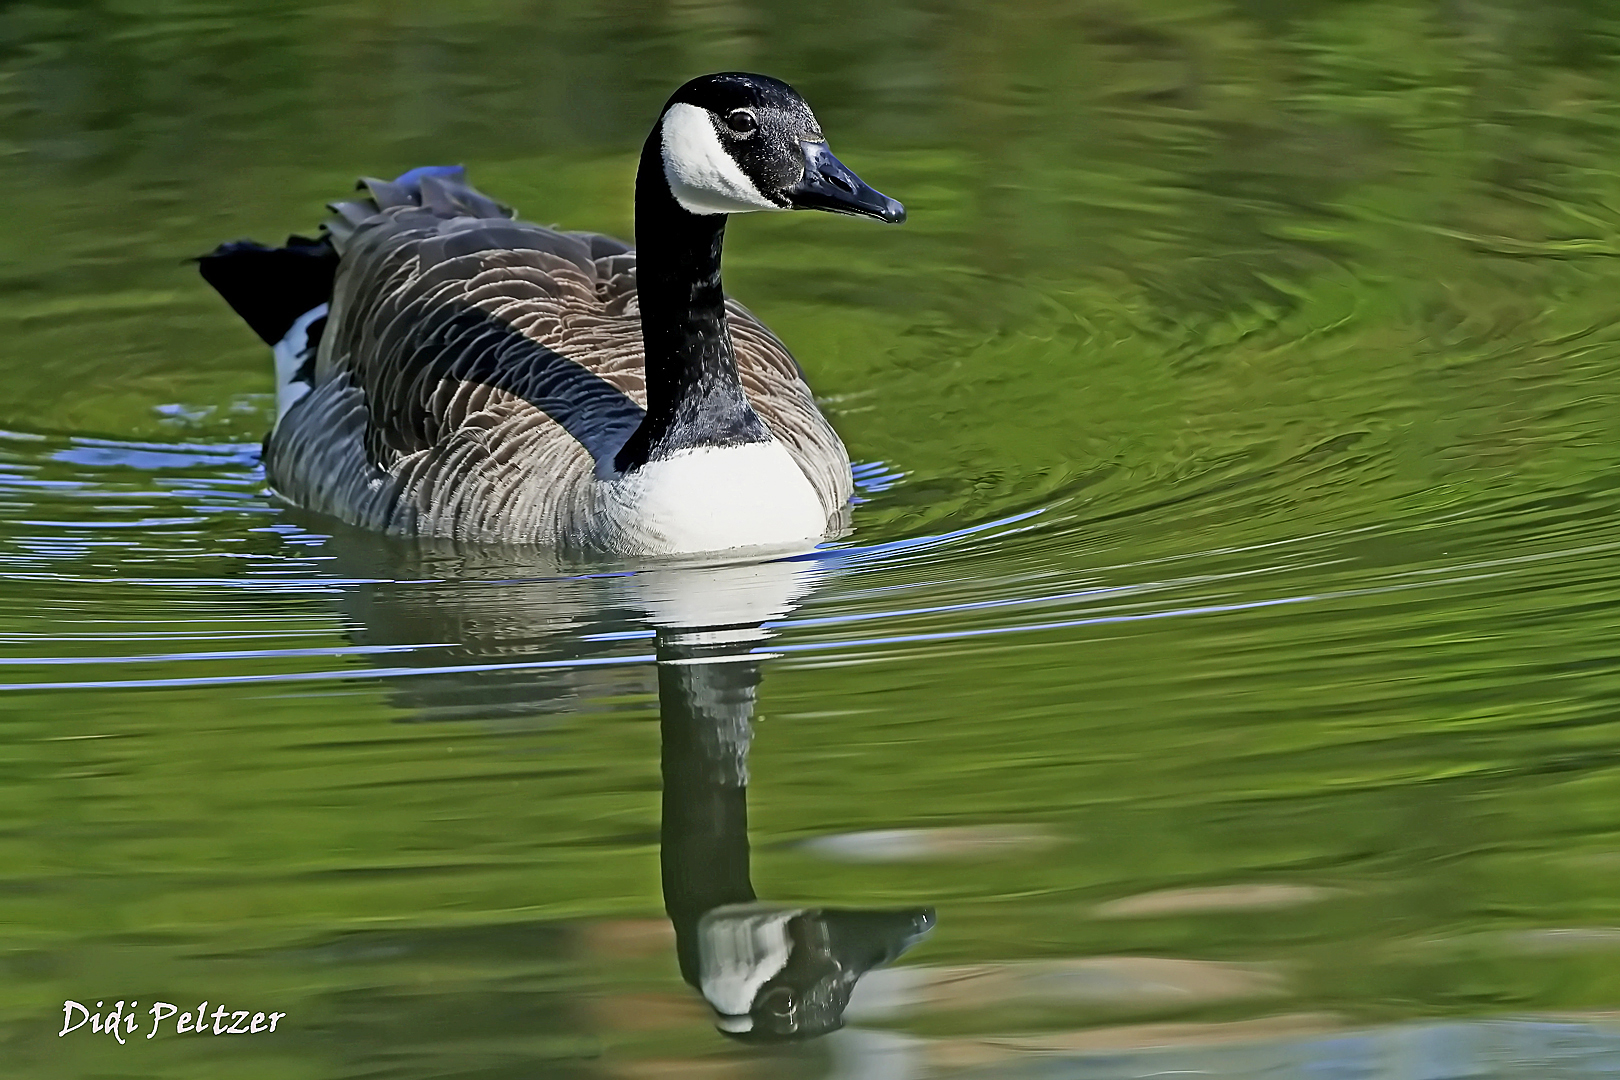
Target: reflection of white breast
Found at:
x=710, y=499
x=738, y=595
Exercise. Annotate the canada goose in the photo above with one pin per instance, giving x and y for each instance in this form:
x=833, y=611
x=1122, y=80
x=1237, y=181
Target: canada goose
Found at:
x=447, y=370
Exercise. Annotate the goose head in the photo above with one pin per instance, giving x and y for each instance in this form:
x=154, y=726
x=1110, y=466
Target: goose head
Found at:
x=733, y=142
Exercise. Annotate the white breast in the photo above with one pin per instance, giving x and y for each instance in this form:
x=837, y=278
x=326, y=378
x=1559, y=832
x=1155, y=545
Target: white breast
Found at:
x=709, y=499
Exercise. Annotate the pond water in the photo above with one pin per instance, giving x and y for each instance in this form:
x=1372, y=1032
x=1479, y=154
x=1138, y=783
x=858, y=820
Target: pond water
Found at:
x=1223, y=662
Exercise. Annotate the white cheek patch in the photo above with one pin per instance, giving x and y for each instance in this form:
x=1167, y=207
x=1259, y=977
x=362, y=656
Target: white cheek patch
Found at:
x=702, y=176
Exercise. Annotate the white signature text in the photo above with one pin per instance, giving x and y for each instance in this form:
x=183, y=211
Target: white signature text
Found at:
x=118, y=1023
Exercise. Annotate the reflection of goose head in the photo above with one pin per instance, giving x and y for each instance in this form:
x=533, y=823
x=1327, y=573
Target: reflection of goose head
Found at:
x=770, y=972
x=787, y=973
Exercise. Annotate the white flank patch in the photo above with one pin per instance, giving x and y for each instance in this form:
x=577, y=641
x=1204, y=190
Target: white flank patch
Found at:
x=742, y=947
x=291, y=352
x=711, y=499
x=702, y=174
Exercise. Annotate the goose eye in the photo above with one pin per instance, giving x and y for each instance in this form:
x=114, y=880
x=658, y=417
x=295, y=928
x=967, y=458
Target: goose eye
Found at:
x=780, y=1003
x=742, y=121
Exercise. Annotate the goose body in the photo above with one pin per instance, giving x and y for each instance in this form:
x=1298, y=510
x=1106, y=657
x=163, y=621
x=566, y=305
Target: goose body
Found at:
x=447, y=370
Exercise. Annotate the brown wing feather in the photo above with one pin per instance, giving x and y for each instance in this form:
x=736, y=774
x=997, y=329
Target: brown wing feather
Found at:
x=475, y=369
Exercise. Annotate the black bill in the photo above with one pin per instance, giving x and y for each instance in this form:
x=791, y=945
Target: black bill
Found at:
x=829, y=184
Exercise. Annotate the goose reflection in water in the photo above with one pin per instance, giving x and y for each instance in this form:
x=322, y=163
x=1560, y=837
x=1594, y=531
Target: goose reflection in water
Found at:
x=769, y=971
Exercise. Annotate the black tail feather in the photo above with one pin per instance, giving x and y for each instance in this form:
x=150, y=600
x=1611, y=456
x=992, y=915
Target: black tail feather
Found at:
x=271, y=287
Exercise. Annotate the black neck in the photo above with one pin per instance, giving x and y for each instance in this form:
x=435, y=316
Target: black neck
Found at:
x=694, y=397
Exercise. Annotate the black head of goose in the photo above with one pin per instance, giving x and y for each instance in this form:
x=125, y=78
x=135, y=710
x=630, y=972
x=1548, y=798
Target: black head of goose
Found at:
x=473, y=376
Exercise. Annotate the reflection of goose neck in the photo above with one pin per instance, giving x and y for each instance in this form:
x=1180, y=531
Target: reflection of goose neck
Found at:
x=707, y=621
x=707, y=708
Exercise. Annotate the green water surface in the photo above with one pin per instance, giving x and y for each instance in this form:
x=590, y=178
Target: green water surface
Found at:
x=1239, y=424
